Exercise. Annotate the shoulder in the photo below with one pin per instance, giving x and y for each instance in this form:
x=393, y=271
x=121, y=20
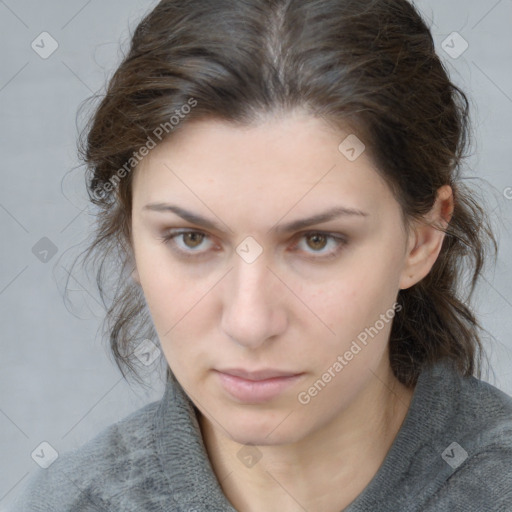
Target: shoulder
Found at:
x=480, y=479
x=476, y=449
x=88, y=477
x=484, y=413
x=468, y=407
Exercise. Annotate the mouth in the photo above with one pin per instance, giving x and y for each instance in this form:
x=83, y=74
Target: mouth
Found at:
x=257, y=386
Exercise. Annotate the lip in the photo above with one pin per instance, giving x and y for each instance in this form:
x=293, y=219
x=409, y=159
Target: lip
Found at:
x=256, y=386
x=256, y=375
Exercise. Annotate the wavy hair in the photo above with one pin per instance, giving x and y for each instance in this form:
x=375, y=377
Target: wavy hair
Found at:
x=369, y=65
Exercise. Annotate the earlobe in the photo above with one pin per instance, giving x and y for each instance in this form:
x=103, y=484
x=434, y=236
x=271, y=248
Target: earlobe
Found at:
x=426, y=239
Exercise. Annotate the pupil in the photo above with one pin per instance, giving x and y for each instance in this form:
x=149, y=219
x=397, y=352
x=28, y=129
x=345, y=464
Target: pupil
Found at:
x=317, y=237
x=190, y=236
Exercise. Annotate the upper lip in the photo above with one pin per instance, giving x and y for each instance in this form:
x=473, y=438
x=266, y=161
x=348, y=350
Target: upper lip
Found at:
x=258, y=374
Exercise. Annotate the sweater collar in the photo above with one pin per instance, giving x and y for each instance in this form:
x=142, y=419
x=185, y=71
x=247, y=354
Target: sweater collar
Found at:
x=183, y=455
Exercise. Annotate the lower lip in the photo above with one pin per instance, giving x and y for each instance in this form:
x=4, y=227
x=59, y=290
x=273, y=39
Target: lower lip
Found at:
x=256, y=391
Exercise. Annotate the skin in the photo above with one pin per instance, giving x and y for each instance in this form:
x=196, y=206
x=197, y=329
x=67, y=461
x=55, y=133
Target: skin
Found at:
x=292, y=308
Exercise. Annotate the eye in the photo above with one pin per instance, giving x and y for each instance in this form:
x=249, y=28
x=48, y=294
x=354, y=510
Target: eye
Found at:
x=190, y=243
x=318, y=241
x=185, y=242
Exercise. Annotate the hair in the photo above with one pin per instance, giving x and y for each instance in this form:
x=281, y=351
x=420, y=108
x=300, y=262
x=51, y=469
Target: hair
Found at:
x=369, y=65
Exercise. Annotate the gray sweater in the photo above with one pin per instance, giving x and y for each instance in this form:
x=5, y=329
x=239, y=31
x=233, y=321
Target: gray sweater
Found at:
x=453, y=453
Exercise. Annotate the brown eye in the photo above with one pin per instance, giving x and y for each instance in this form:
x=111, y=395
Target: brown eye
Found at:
x=188, y=244
x=192, y=239
x=317, y=241
x=319, y=246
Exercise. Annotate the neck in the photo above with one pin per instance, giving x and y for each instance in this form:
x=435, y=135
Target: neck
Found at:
x=324, y=471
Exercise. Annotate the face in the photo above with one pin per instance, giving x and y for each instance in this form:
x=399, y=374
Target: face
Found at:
x=236, y=282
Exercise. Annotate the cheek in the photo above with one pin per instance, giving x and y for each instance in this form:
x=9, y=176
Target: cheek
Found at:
x=168, y=296
x=183, y=310
x=352, y=302
x=173, y=305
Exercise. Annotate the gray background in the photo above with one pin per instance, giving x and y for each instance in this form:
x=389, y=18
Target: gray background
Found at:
x=58, y=382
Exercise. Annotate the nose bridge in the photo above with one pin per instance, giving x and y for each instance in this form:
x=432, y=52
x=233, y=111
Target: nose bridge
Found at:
x=251, y=311
x=251, y=281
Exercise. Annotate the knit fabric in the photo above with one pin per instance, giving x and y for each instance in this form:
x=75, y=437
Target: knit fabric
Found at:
x=453, y=453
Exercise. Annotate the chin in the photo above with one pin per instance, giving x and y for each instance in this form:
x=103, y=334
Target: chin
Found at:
x=264, y=428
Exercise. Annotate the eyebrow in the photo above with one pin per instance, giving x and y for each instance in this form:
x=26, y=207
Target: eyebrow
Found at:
x=295, y=225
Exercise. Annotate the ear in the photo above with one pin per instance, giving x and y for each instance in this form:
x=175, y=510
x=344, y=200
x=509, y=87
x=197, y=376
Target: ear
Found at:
x=426, y=239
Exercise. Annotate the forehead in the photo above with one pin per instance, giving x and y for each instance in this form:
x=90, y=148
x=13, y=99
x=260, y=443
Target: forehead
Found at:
x=282, y=161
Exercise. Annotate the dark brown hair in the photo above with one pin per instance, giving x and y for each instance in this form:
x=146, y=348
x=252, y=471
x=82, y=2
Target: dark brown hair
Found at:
x=365, y=64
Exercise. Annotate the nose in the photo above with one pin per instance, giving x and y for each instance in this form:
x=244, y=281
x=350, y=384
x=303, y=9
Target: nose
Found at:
x=253, y=308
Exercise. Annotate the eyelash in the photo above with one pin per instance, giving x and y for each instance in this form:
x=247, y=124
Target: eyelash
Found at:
x=171, y=235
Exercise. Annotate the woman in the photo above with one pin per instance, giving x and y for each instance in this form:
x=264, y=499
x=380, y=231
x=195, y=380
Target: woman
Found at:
x=280, y=180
